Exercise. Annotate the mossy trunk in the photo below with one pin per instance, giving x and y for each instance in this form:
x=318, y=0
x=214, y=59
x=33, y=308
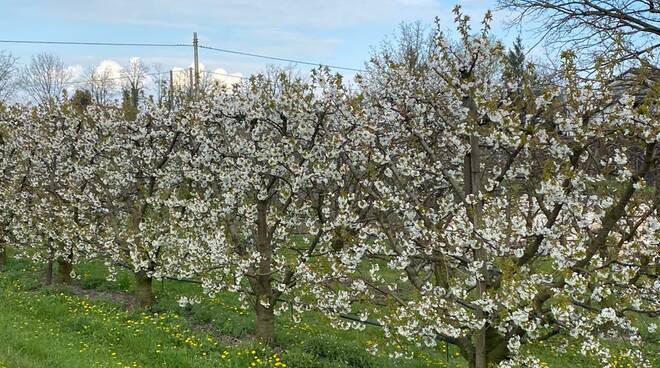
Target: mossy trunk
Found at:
x=480, y=355
x=3, y=256
x=3, y=248
x=262, y=283
x=265, y=324
x=495, y=350
x=48, y=273
x=64, y=269
x=144, y=294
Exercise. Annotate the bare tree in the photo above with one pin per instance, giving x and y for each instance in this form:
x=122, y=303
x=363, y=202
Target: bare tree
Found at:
x=410, y=47
x=207, y=82
x=101, y=84
x=7, y=75
x=160, y=82
x=631, y=27
x=44, y=78
x=134, y=76
x=276, y=75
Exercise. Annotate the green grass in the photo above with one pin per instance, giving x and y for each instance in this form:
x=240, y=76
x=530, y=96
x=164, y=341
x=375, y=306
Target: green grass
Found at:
x=88, y=325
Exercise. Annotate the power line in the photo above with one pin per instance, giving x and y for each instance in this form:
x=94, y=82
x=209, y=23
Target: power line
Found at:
x=227, y=51
x=278, y=58
x=96, y=43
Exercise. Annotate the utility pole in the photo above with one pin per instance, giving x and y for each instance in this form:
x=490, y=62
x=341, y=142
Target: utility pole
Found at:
x=171, y=94
x=192, y=83
x=195, y=50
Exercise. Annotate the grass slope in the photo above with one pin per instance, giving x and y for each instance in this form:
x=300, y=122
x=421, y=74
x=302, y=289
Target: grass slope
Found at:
x=93, y=325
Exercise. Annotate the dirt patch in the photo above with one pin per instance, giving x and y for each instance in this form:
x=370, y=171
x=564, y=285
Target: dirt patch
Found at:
x=125, y=300
x=207, y=328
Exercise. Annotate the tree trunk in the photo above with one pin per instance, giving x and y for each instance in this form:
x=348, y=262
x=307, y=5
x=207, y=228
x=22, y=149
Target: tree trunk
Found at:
x=472, y=183
x=494, y=352
x=3, y=248
x=261, y=283
x=480, y=360
x=3, y=255
x=143, y=289
x=265, y=323
x=48, y=279
x=472, y=186
x=49, y=264
x=64, y=269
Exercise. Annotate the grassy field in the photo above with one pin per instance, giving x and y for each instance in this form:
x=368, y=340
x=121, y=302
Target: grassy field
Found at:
x=93, y=324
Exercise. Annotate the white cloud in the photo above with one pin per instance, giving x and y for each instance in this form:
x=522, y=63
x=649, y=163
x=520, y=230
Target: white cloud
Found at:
x=74, y=72
x=181, y=76
x=110, y=68
x=317, y=31
x=226, y=78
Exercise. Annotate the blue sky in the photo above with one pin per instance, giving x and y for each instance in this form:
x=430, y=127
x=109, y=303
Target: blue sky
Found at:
x=340, y=32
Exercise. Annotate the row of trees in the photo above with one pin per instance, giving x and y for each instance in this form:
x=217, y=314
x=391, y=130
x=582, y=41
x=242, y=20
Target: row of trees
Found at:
x=452, y=196
x=46, y=77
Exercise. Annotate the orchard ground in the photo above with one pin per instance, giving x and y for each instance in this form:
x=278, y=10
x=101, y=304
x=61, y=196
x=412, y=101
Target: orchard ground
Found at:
x=94, y=323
